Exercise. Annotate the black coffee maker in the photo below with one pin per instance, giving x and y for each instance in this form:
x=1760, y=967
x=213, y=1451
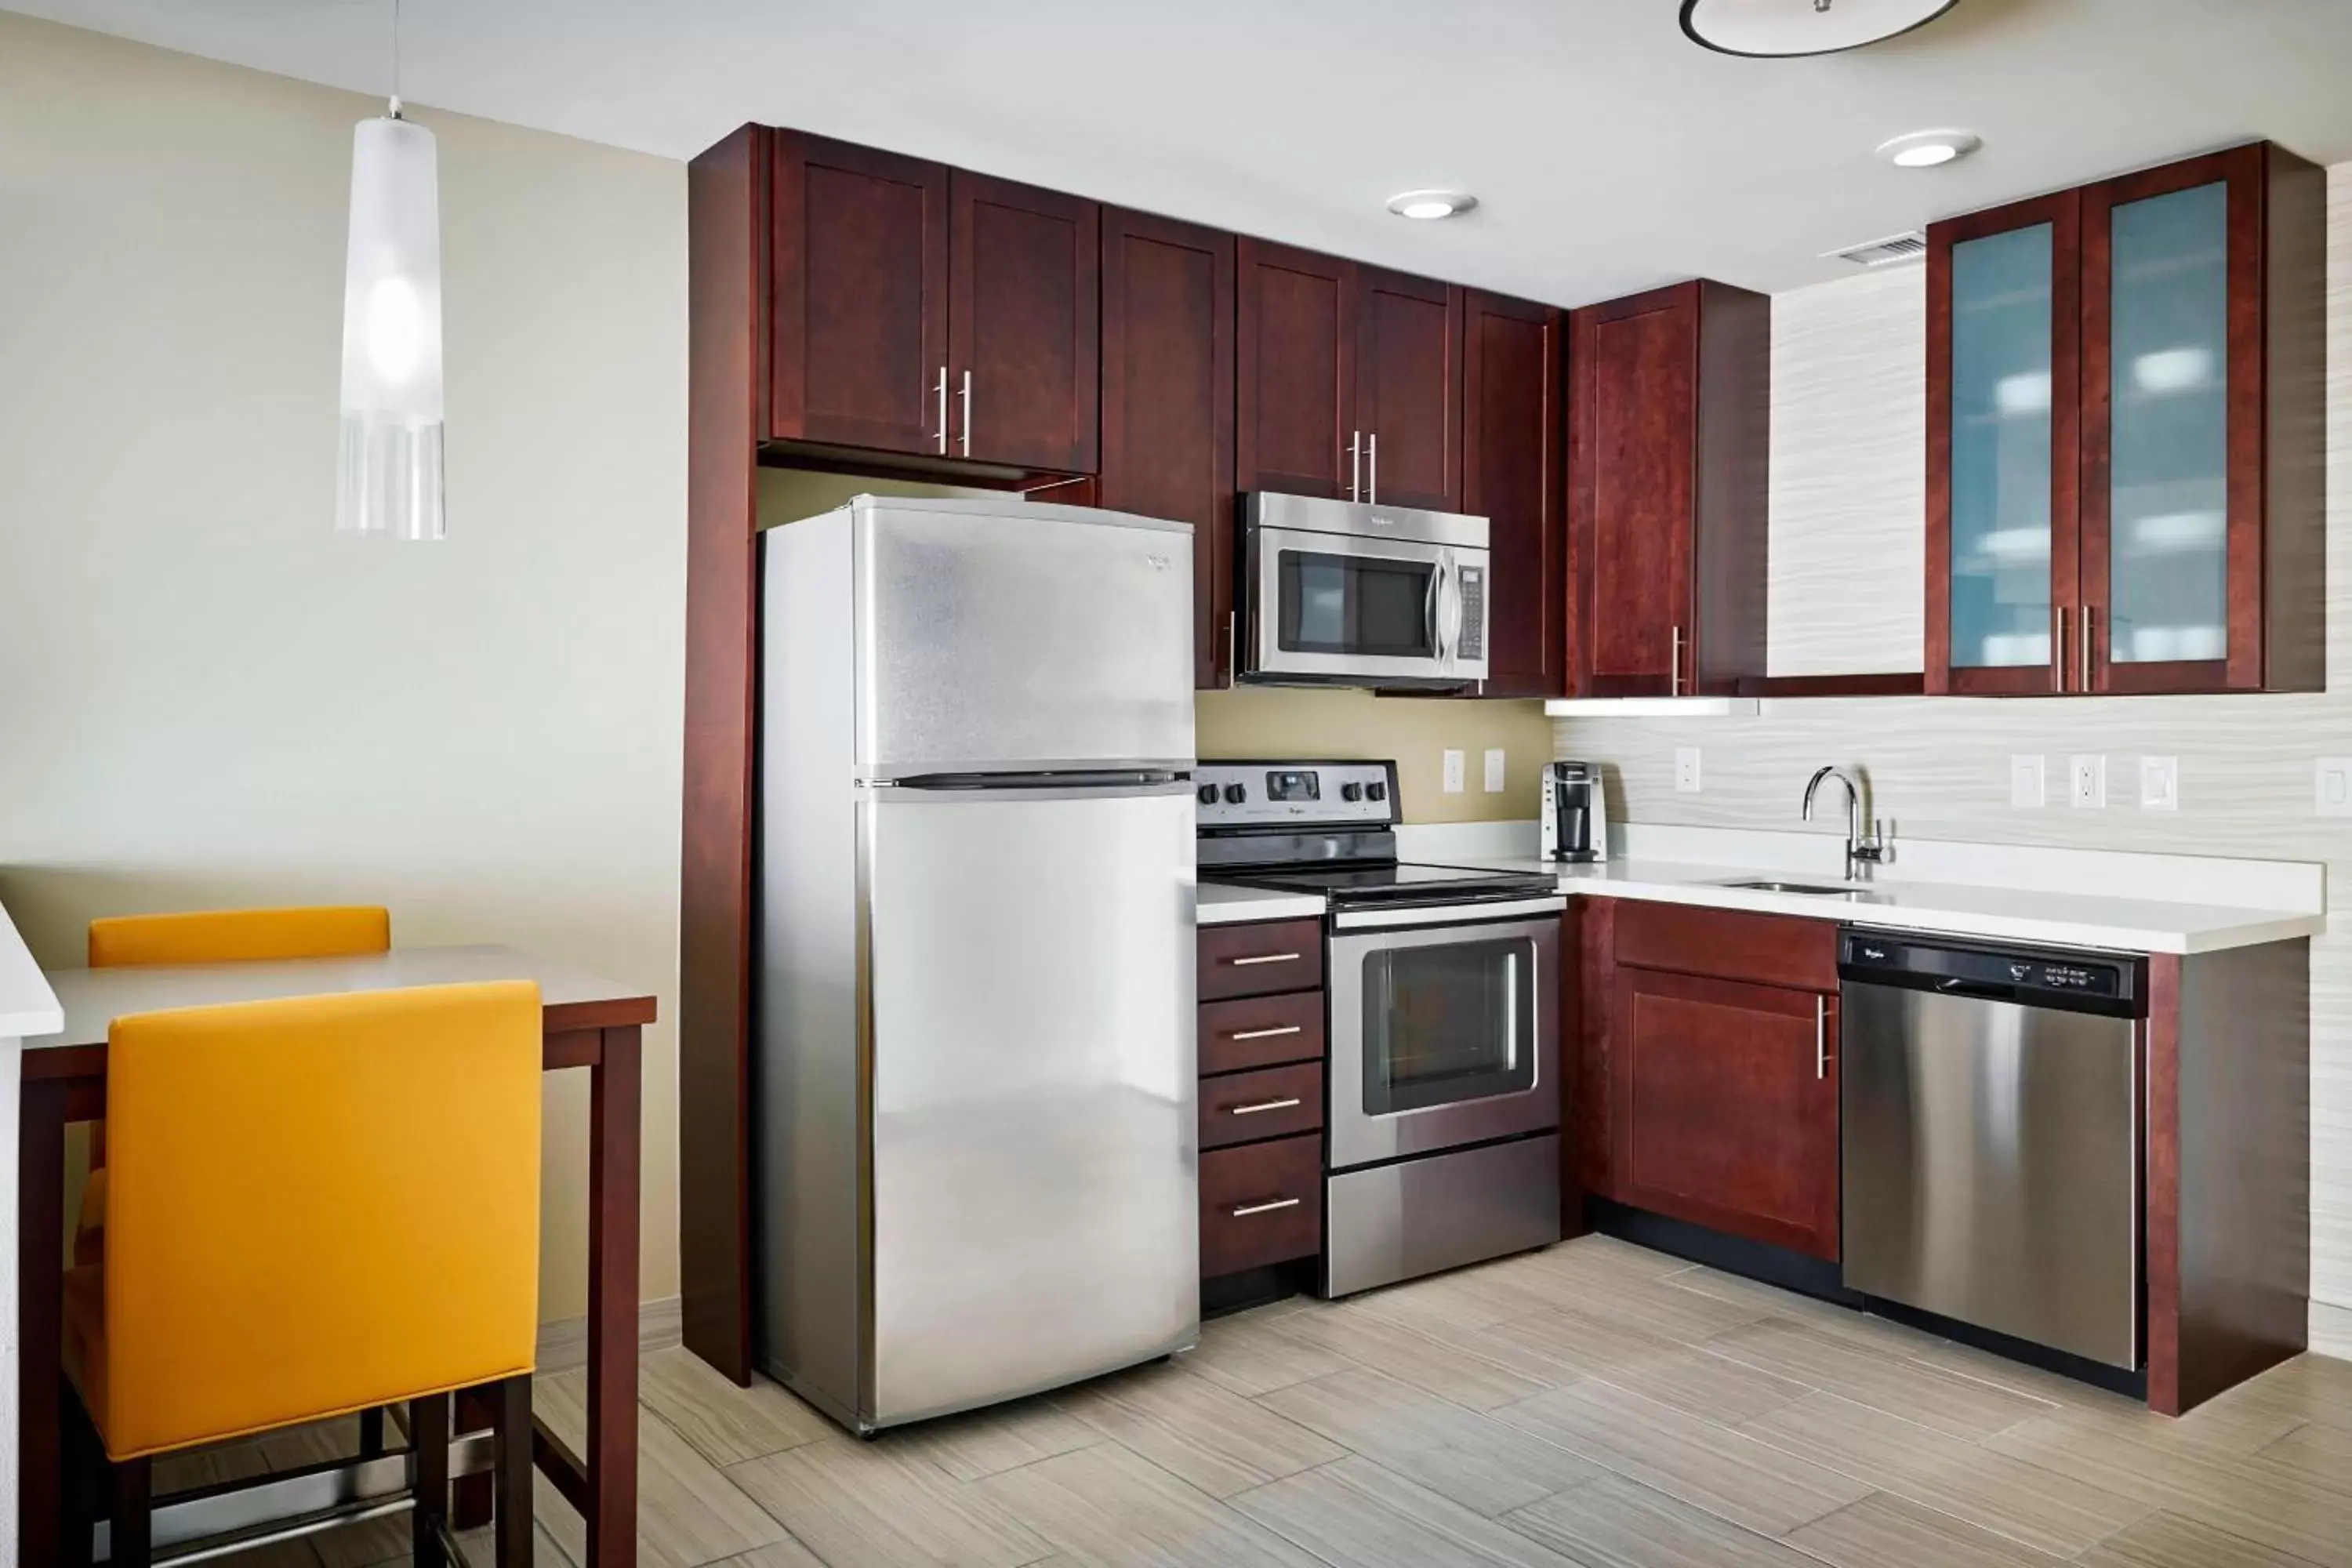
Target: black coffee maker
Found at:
x=1575, y=813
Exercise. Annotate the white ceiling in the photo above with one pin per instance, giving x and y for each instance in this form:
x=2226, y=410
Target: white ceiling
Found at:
x=1608, y=152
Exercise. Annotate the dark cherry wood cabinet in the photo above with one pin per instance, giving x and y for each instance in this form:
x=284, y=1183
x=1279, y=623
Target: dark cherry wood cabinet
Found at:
x=858, y=290
x=1669, y=415
x=1260, y=958
x=1261, y=1204
x=1350, y=379
x=1727, y=1106
x=1408, y=408
x=1295, y=402
x=2125, y=413
x=1512, y=363
x=1261, y=1096
x=1168, y=403
x=1024, y=305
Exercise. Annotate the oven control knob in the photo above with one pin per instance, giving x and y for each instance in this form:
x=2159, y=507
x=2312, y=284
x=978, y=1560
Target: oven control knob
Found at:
x=1208, y=794
x=1376, y=790
x=1236, y=794
x=1351, y=791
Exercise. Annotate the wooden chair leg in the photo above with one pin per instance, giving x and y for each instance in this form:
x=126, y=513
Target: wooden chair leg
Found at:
x=470, y=1499
x=131, y=1542
x=511, y=1427
x=428, y=1439
x=81, y=1463
x=371, y=1433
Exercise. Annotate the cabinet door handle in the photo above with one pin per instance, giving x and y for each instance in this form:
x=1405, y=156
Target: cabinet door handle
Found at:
x=1820, y=1037
x=1355, y=465
x=944, y=410
x=1288, y=1104
x=1674, y=666
x=1248, y=1209
x=967, y=413
x=1266, y=958
x=1233, y=640
x=2082, y=665
x=1372, y=468
x=2058, y=646
x=1268, y=1034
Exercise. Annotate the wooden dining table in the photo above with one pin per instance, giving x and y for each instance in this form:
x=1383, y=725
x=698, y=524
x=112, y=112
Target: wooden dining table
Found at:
x=588, y=1022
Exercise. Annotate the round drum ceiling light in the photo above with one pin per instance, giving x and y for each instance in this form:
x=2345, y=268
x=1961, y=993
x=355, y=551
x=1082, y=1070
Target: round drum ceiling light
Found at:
x=1774, y=29
x=1926, y=149
x=1428, y=207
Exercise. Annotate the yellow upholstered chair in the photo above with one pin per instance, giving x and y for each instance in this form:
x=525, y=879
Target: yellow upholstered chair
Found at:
x=319, y=1204
x=216, y=936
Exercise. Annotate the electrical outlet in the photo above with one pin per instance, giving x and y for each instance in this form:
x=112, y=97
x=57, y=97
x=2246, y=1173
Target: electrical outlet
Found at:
x=1685, y=770
x=2029, y=783
x=2087, y=781
x=2159, y=784
x=2331, y=787
x=1493, y=769
x=1454, y=773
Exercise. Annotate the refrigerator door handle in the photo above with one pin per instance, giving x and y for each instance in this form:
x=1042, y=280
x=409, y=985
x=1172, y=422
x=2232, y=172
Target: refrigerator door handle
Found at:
x=1044, y=784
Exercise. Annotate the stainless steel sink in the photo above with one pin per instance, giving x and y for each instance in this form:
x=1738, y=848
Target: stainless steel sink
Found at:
x=1811, y=890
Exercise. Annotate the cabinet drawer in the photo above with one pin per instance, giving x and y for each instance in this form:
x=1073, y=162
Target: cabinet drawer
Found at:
x=1273, y=1103
x=1729, y=944
x=1261, y=1032
x=1261, y=1205
x=1259, y=959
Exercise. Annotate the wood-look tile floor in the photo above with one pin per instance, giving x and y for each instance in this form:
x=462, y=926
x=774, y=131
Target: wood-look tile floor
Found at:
x=1594, y=1403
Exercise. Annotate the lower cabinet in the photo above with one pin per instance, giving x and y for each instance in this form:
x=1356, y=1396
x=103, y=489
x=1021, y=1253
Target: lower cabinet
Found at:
x=1727, y=1106
x=1261, y=1095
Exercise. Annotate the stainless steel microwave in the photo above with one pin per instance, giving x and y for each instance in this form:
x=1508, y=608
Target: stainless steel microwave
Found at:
x=1343, y=593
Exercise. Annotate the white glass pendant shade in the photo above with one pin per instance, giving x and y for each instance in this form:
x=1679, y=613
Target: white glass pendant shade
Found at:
x=1770, y=29
x=390, y=459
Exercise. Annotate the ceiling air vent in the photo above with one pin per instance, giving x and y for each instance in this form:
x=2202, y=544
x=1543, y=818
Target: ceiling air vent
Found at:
x=1884, y=252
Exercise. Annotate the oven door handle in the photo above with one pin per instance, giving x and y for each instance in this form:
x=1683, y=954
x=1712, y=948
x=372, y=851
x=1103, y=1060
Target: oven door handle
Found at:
x=1448, y=914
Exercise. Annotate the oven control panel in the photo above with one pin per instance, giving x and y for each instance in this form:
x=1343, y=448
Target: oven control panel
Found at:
x=1288, y=794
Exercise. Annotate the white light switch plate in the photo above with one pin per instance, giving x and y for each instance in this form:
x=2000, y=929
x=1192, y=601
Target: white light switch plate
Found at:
x=1452, y=772
x=2331, y=787
x=1685, y=770
x=1493, y=769
x=2087, y=781
x=2029, y=783
x=2159, y=784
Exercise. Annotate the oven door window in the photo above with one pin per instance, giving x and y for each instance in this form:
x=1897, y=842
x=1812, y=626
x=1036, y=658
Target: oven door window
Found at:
x=1370, y=606
x=1448, y=1023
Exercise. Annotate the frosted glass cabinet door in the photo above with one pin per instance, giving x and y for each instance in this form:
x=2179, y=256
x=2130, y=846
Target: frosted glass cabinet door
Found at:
x=2002, y=397
x=2168, y=429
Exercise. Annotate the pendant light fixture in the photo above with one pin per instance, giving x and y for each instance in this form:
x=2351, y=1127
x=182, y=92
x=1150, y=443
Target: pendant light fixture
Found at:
x=389, y=465
x=1781, y=28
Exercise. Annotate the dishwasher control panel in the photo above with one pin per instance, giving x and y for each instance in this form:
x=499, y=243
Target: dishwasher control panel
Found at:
x=2099, y=982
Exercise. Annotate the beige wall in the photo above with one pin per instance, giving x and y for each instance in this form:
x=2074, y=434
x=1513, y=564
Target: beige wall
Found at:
x=1277, y=721
x=206, y=696
x=1938, y=767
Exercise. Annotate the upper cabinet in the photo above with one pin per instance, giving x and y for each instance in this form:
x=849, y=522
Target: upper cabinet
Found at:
x=2126, y=434
x=1349, y=380
x=1168, y=403
x=1669, y=419
x=1512, y=362
x=925, y=312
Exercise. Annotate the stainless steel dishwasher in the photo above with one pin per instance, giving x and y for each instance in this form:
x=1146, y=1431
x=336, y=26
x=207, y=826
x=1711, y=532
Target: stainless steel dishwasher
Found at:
x=1992, y=1118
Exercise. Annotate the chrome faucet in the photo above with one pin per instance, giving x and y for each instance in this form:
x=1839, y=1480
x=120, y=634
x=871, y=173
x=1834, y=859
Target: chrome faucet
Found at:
x=1861, y=849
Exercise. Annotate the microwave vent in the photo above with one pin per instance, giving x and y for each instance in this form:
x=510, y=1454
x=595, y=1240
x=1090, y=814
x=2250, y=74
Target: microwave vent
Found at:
x=1884, y=252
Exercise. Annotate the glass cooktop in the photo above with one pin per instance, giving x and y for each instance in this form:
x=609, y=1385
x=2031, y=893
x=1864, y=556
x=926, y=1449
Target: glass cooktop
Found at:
x=1382, y=881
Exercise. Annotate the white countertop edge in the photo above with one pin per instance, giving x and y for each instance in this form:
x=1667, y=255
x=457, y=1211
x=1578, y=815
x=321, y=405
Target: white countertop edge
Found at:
x=28, y=1005
x=1220, y=904
x=2280, y=926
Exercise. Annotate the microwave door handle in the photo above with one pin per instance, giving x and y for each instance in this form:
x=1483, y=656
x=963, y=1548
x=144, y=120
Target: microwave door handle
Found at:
x=1430, y=594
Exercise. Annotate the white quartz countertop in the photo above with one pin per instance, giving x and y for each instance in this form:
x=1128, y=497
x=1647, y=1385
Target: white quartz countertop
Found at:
x=28, y=1005
x=1220, y=904
x=2076, y=919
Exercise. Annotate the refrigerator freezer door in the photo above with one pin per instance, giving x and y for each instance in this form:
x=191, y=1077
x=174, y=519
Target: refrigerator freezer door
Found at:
x=1035, y=1214
x=1020, y=636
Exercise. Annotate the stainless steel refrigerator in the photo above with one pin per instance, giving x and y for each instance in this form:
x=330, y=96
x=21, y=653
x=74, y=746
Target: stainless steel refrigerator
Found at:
x=975, y=1136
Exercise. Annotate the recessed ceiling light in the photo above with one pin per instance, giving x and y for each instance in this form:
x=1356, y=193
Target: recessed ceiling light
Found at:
x=1430, y=205
x=1781, y=28
x=1926, y=149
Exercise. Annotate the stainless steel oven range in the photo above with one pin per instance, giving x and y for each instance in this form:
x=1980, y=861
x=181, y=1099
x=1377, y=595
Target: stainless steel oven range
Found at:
x=1442, y=1143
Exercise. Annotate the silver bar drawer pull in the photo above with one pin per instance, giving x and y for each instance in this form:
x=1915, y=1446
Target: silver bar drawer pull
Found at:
x=1248, y=1209
x=1265, y=1105
x=1266, y=958
x=1268, y=1034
